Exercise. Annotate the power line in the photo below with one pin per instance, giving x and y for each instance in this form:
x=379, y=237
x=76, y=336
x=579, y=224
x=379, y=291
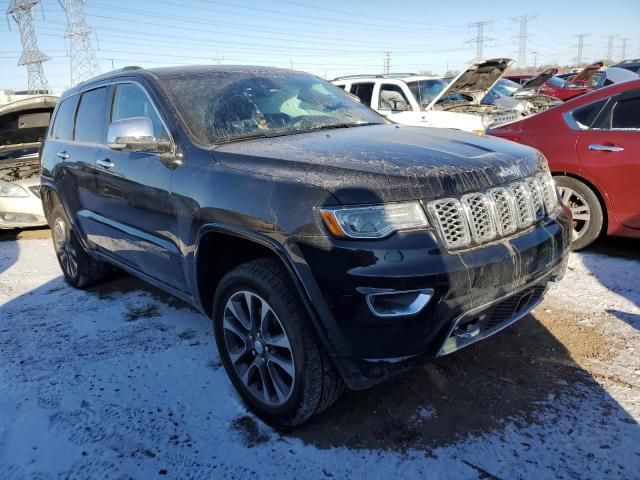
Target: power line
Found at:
x=480, y=37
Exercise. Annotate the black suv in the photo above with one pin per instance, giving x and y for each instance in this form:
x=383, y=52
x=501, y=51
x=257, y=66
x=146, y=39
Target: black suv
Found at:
x=328, y=245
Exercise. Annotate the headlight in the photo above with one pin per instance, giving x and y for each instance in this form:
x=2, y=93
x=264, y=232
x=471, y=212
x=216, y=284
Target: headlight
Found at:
x=10, y=190
x=376, y=221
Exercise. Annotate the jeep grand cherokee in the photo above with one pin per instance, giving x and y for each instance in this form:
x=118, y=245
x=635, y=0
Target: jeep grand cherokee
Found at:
x=329, y=246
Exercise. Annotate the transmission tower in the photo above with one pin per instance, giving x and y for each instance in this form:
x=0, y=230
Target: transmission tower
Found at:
x=387, y=62
x=22, y=12
x=624, y=48
x=84, y=63
x=522, y=38
x=609, y=55
x=480, y=37
x=580, y=46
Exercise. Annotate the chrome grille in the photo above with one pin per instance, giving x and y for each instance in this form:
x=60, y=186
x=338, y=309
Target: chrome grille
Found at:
x=451, y=221
x=480, y=217
x=535, y=189
x=478, y=210
x=522, y=199
x=505, y=211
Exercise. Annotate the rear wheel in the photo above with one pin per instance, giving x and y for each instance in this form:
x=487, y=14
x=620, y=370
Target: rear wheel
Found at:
x=586, y=209
x=268, y=347
x=78, y=268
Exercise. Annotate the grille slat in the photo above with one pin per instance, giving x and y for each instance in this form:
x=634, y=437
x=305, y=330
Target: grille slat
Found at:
x=481, y=217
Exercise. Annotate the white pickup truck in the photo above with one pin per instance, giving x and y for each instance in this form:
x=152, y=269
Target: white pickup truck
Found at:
x=433, y=102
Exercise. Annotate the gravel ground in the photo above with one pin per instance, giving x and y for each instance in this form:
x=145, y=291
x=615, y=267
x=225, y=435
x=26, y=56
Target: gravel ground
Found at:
x=122, y=381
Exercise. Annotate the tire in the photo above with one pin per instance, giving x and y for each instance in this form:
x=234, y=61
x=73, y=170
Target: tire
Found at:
x=78, y=268
x=588, y=217
x=299, y=378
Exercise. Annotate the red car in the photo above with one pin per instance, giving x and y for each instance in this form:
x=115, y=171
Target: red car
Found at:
x=592, y=144
x=577, y=85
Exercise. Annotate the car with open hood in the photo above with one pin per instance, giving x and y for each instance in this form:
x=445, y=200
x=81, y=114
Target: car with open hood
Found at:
x=572, y=86
x=425, y=101
x=526, y=97
x=329, y=246
x=23, y=124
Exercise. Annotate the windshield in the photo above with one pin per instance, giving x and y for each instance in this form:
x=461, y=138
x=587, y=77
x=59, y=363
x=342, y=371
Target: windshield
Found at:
x=426, y=90
x=506, y=87
x=557, y=82
x=218, y=107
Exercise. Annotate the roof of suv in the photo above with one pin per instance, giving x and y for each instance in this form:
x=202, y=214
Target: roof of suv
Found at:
x=402, y=77
x=161, y=72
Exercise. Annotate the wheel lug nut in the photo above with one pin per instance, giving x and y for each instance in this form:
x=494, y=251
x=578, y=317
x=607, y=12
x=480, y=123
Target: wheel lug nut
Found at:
x=253, y=352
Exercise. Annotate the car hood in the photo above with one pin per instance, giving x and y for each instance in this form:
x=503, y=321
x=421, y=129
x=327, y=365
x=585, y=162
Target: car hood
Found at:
x=536, y=82
x=25, y=121
x=584, y=76
x=381, y=163
x=476, y=80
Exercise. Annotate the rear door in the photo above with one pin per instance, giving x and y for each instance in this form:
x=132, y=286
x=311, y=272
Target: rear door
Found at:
x=364, y=91
x=134, y=219
x=610, y=153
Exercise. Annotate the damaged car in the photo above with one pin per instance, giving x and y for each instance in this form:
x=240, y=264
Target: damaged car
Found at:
x=23, y=124
x=525, y=98
x=330, y=247
x=574, y=85
x=423, y=101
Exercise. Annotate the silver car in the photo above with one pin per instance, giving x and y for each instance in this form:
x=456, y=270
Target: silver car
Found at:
x=23, y=124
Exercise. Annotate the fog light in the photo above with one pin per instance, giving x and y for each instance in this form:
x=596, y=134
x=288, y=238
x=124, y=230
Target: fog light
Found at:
x=399, y=303
x=11, y=217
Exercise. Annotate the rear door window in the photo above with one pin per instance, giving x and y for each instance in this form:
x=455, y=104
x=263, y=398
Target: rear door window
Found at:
x=364, y=91
x=131, y=101
x=586, y=115
x=90, y=120
x=626, y=114
x=62, y=128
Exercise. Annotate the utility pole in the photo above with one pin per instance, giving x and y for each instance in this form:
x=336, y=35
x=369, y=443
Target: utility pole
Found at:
x=580, y=45
x=624, y=48
x=84, y=63
x=217, y=59
x=22, y=12
x=386, y=63
x=535, y=60
x=480, y=37
x=609, y=55
x=522, y=38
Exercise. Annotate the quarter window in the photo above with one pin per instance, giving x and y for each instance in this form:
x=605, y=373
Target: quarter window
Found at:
x=90, y=120
x=131, y=101
x=62, y=128
x=586, y=115
x=392, y=98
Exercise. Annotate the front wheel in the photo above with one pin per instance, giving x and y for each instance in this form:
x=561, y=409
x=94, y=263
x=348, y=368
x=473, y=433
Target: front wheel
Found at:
x=268, y=347
x=586, y=209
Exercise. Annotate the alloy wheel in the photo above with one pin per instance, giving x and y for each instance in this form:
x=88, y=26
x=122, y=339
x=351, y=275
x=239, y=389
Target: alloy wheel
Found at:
x=579, y=208
x=259, y=348
x=66, y=251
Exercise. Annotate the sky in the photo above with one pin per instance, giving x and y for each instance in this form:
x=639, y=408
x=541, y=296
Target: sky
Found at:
x=328, y=38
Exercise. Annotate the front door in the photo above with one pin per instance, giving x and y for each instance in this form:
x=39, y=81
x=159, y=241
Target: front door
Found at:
x=610, y=153
x=135, y=209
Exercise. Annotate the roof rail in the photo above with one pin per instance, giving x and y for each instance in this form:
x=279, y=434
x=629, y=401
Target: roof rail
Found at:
x=376, y=75
x=630, y=60
x=130, y=67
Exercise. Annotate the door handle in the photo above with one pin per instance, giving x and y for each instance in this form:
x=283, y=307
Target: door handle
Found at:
x=105, y=163
x=605, y=148
x=62, y=155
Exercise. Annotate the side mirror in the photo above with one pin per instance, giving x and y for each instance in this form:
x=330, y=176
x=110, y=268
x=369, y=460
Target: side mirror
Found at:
x=135, y=135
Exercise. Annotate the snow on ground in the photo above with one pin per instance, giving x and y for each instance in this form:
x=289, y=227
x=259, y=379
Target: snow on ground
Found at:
x=123, y=382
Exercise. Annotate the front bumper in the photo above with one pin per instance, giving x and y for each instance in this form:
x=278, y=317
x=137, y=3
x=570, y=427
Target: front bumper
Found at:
x=21, y=212
x=472, y=293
